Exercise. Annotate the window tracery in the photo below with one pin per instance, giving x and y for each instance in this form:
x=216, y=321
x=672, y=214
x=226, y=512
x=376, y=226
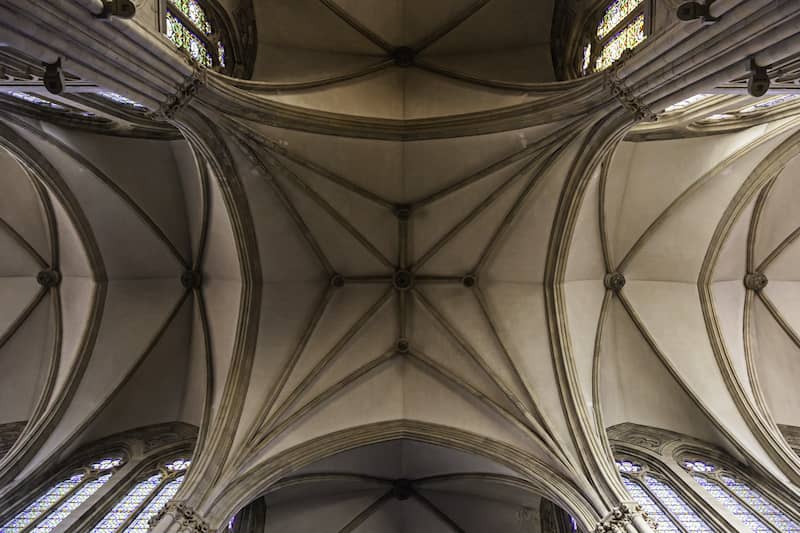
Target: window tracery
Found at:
x=145, y=499
x=740, y=498
x=621, y=26
x=190, y=26
x=58, y=502
x=659, y=499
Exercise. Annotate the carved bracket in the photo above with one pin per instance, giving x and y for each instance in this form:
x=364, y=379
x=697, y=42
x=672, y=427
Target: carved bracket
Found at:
x=621, y=517
x=625, y=95
x=183, y=515
x=184, y=94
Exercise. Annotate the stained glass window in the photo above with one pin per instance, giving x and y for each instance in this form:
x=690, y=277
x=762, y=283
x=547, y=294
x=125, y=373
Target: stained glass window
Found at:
x=35, y=100
x=614, y=14
x=731, y=504
x=107, y=464
x=649, y=506
x=683, y=104
x=191, y=28
x=144, y=499
x=128, y=505
x=72, y=503
x=47, y=512
x=626, y=39
x=587, y=58
x=188, y=41
x=45, y=502
x=755, y=500
x=178, y=465
x=140, y=524
x=122, y=100
x=621, y=26
x=769, y=103
x=746, y=503
x=661, y=502
x=195, y=13
x=676, y=505
x=221, y=54
x=718, y=117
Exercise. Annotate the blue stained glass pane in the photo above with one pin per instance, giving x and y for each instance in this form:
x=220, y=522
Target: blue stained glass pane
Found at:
x=628, y=466
x=37, y=508
x=106, y=464
x=675, y=505
x=734, y=506
x=650, y=507
x=122, y=100
x=760, y=504
x=72, y=503
x=128, y=505
x=770, y=102
x=33, y=99
x=178, y=464
x=140, y=524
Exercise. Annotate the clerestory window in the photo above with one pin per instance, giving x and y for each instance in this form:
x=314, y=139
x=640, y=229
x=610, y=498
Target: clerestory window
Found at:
x=659, y=499
x=737, y=495
x=622, y=25
x=59, y=501
x=132, y=513
x=192, y=28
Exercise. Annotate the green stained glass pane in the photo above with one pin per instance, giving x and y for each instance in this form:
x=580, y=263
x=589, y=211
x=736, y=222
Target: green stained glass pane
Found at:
x=627, y=39
x=614, y=14
x=195, y=13
x=42, y=504
x=187, y=41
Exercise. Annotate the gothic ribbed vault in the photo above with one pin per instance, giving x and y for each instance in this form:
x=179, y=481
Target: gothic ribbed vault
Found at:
x=402, y=250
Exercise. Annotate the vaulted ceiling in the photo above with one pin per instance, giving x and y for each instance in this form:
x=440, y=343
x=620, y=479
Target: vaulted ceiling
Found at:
x=401, y=229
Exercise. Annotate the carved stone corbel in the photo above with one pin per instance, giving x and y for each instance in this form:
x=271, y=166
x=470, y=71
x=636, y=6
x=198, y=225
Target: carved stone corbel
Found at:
x=185, y=93
x=620, y=518
x=183, y=515
x=625, y=95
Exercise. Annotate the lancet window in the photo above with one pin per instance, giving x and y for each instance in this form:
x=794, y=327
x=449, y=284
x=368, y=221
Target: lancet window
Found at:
x=61, y=499
x=739, y=496
x=622, y=25
x=132, y=513
x=659, y=499
x=189, y=24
